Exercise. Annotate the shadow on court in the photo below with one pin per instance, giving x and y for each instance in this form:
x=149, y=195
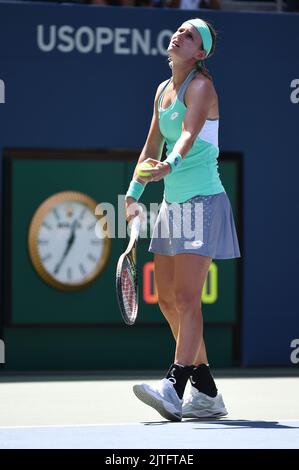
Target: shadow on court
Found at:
x=229, y=424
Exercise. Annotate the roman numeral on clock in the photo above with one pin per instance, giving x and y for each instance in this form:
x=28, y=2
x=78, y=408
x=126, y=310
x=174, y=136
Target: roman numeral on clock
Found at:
x=91, y=257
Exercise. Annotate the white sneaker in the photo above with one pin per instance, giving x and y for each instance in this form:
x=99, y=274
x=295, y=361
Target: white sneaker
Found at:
x=163, y=398
x=200, y=405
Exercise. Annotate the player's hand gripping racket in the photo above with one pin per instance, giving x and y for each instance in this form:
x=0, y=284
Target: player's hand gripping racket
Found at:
x=126, y=277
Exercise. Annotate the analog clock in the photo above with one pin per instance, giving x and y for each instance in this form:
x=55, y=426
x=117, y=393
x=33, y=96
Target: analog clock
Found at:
x=64, y=247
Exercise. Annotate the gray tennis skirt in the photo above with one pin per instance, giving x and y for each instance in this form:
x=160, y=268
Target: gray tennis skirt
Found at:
x=204, y=225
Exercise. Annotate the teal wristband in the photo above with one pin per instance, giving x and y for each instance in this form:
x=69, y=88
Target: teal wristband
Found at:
x=174, y=159
x=135, y=190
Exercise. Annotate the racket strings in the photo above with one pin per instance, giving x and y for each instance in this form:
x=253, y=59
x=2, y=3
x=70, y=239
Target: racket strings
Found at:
x=127, y=285
x=129, y=290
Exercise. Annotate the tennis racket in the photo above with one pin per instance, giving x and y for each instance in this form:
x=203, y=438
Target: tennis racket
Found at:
x=126, y=277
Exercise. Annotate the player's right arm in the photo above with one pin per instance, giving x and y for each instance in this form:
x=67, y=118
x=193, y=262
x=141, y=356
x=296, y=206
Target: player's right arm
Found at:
x=154, y=143
x=152, y=148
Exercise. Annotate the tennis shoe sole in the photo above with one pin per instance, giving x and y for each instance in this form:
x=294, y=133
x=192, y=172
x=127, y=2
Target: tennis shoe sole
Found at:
x=157, y=403
x=204, y=414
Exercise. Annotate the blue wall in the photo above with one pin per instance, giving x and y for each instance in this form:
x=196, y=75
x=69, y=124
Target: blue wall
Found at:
x=102, y=98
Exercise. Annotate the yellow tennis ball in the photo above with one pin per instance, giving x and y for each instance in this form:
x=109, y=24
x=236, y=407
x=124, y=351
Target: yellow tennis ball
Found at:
x=144, y=166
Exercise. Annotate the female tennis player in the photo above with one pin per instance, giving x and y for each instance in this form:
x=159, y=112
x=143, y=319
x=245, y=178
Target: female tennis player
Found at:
x=195, y=223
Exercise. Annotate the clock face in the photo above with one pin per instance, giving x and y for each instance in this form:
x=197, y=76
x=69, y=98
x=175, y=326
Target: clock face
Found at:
x=63, y=244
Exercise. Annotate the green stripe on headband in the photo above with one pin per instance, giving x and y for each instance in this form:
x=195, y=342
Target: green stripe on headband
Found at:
x=205, y=33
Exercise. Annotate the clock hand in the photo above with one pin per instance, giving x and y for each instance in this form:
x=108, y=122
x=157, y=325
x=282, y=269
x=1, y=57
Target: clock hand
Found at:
x=69, y=244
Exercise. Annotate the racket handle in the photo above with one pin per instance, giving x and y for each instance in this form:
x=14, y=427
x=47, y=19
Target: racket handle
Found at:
x=135, y=228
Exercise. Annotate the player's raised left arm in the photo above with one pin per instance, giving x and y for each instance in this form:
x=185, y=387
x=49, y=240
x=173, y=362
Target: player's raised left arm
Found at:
x=199, y=98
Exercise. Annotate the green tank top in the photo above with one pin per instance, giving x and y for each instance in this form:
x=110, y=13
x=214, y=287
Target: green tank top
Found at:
x=198, y=173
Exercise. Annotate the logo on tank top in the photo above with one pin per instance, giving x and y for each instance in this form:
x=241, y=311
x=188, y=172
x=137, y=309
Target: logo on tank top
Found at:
x=174, y=116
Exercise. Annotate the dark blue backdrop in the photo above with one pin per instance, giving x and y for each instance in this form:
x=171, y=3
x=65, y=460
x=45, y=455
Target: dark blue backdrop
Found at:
x=86, y=94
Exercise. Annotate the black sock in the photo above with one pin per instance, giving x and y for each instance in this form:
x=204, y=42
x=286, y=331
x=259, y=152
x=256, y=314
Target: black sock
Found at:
x=179, y=375
x=202, y=379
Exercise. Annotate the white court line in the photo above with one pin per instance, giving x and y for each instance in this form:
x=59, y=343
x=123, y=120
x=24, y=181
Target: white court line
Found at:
x=191, y=421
